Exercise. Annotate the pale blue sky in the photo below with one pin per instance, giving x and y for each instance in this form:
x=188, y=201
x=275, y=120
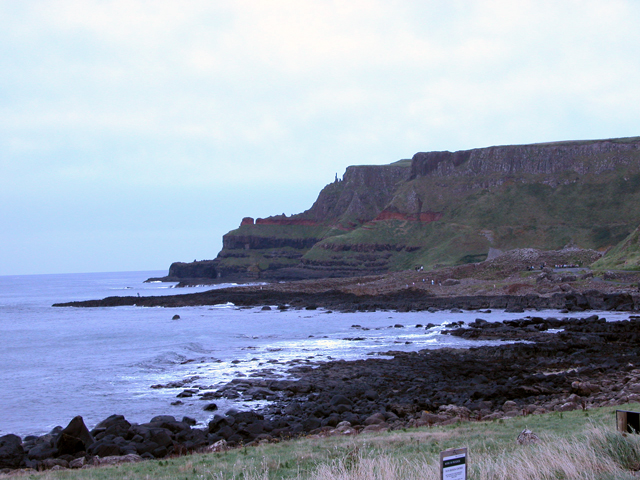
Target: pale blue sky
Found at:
x=136, y=133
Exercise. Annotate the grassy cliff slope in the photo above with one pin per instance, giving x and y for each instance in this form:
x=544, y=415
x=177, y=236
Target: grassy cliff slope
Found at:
x=624, y=256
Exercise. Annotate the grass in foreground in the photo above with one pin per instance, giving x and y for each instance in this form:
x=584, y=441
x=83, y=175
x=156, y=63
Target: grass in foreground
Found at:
x=575, y=445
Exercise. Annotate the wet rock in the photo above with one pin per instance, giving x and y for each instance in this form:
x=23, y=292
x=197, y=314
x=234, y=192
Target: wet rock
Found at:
x=186, y=393
x=258, y=393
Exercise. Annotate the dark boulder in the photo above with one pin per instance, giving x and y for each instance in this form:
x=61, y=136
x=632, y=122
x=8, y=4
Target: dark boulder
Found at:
x=311, y=423
x=146, y=448
x=192, y=439
x=160, y=452
x=163, y=418
x=340, y=400
x=189, y=421
x=11, y=451
x=41, y=451
x=161, y=436
x=219, y=421
x=246, y=417
x=105, y=449
x=74, y=438
x=113, y=425
x=225, y=432
x=68, y=445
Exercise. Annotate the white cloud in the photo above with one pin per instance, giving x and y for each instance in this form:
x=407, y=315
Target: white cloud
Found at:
x=200, y=94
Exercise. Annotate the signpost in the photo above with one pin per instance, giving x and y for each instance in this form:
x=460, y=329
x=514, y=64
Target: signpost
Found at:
x=628, y=422
x=453, y=464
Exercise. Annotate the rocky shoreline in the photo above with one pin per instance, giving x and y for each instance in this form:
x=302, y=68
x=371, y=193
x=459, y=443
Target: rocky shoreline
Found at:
x=409, y=299
x=563, y=364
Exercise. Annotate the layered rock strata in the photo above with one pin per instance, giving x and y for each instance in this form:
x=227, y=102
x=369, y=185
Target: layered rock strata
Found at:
x=442, y=208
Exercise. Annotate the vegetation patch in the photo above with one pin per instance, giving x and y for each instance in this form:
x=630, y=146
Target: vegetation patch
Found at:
x=574, y=445
x=625, y=256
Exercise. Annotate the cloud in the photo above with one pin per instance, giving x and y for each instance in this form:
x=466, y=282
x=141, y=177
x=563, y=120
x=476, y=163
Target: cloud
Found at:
x=196, y=95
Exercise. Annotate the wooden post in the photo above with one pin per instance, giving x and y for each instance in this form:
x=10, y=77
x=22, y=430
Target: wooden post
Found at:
x=621, y=420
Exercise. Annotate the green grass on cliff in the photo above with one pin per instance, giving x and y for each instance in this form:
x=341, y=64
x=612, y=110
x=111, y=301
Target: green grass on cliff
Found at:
x=416, y=243
x=574, y=445
x=624, y=256
x=590, y=211
x=594, y=212
x=280, y=231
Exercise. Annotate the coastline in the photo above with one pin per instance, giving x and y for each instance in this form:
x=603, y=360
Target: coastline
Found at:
x=409, y=299
x=558, y=364
x=564, y=364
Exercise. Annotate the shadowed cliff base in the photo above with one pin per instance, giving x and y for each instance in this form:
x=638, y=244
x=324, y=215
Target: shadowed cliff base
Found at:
x=525, y=279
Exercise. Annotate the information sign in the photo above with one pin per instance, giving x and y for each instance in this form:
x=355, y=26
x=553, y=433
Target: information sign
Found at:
x=453, y=464
x=628, y=422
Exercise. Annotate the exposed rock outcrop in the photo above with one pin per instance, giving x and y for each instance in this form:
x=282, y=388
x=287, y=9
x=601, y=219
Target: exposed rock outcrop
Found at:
x=442, y=208
x=584, y=158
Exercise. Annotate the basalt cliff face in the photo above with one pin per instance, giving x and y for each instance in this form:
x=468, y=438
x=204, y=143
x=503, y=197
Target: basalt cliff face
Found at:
x=440, y=209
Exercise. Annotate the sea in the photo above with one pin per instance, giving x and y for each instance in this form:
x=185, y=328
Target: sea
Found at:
x=59, y=362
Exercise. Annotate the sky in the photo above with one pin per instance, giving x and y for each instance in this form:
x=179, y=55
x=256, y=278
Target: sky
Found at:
x=136, y=133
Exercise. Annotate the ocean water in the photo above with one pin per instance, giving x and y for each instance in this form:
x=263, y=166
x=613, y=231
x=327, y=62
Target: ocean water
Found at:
x=57, y=363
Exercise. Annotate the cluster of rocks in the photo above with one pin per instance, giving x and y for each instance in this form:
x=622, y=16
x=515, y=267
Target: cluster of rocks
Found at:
x=563, y=364
x=114, y=439
x=592, y=329
x=586, y=363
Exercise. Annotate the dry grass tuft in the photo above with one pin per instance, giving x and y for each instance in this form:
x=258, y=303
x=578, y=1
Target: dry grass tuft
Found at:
x=600, y=454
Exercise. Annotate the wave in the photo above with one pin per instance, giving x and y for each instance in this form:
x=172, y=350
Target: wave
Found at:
x=197, y=348
x=162, y=361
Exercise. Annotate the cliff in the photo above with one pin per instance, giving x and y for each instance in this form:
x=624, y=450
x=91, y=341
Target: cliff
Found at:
x=445, y=208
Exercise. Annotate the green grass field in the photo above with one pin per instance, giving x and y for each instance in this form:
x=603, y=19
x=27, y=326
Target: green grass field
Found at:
x=574, y=445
